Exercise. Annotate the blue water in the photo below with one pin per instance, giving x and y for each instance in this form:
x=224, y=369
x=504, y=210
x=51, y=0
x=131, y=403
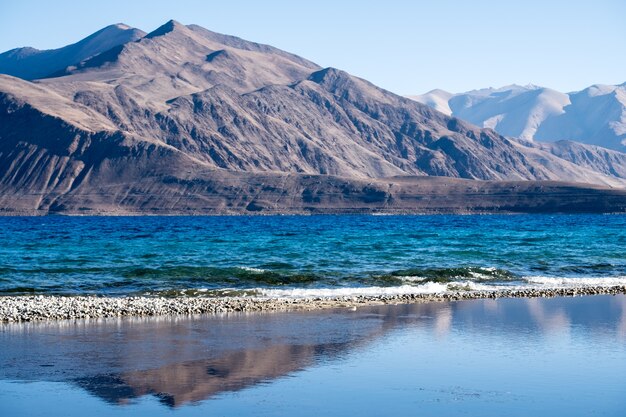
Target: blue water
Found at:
x=281, y=255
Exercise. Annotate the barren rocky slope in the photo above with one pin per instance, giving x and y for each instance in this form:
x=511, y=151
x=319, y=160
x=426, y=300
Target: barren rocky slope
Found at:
x=187, y=120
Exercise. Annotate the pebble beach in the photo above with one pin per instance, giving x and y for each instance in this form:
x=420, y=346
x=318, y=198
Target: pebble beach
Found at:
x=48, y=307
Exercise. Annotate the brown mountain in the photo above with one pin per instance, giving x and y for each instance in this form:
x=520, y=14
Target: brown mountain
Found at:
x=184, y=120
x=31, y=63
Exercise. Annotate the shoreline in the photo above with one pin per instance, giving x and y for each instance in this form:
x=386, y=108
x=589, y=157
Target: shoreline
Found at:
x=307, y=213
x=16, y=309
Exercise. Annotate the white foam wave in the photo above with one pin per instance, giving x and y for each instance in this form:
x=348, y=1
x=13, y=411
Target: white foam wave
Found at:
x=427, y=288
x=537, y=282
x=557, y=282
x=484, y=274
x=251, y=269
x=410, y=278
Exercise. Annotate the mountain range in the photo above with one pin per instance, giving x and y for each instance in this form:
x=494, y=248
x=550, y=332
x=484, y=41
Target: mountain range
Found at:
x=185, y=120
x=595, y=115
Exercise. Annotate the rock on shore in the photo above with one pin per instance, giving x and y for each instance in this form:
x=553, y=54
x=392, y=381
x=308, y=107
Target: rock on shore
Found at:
x=35, y=308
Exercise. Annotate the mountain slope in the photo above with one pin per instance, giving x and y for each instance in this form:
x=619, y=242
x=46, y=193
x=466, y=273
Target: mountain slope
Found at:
x=437, y=99
x=30, y=63
x=596, y=115
x=176, y=119
x=174, y=60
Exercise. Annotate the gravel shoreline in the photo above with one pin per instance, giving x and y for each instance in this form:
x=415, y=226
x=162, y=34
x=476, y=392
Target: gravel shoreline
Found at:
x=40, y=307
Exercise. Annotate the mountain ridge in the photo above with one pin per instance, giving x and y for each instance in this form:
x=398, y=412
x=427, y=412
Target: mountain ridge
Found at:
x=30, y=63
x=595, y=115
x=182, y=115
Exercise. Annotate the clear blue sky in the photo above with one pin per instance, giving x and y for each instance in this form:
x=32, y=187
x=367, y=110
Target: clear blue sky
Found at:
x=405, y=46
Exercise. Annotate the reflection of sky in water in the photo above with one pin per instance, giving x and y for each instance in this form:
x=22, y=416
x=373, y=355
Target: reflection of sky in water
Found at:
x=562, y=356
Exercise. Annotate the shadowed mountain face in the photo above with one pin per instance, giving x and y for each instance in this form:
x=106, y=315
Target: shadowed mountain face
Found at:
x=162, y=121
x=30, y=63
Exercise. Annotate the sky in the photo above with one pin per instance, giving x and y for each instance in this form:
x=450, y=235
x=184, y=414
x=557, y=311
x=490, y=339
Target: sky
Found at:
x=408, y=47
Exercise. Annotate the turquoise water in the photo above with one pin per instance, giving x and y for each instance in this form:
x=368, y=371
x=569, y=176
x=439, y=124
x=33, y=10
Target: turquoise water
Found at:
x=505, y=357
x=301, y=255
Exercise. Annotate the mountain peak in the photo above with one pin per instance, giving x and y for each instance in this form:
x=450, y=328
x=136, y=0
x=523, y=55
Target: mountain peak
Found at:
x=168, y=27
x=111, y=33
x=531, y=112
x=30, y=63
x=437, y=99
x=19, y=53
x=122, y=26
x=182, y=123
x=439, y=91
x=327, y=74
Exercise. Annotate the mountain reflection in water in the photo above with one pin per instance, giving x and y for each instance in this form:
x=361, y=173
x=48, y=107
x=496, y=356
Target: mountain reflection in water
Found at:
x=187, y=360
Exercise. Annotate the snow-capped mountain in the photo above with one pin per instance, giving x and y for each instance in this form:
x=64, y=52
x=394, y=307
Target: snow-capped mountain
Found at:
x=595, y=115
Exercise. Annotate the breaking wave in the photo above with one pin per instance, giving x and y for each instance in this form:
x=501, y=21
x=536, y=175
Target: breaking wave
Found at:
x=253, y=281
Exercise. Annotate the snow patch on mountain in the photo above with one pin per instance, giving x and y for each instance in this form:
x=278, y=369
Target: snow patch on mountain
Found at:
x=595, y=115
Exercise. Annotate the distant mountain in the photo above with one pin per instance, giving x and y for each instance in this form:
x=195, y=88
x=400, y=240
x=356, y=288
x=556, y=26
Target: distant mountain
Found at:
x=595, y=115
x=187, y=120
x=437, y=99
x=30, y=63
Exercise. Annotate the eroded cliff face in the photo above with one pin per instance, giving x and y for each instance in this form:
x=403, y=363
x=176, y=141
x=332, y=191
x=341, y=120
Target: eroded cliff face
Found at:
x=185, y=120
